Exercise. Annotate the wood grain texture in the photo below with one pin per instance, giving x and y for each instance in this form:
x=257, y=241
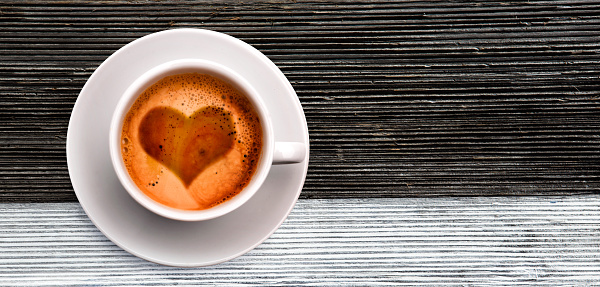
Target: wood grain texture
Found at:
x=479, y=241
x=402, y=99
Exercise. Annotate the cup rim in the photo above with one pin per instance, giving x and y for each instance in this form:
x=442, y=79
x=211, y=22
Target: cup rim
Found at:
x=178, y=67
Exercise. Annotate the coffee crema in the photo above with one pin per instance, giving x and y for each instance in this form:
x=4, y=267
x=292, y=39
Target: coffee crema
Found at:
x=191, y=141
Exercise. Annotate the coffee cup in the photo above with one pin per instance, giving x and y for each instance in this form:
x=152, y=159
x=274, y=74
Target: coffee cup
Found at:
x=150, y=153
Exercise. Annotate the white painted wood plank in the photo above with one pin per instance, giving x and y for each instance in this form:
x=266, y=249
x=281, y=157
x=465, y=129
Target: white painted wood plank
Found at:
x=523, y=241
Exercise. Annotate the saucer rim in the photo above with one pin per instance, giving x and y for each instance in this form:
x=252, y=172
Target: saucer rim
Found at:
x=228, y=39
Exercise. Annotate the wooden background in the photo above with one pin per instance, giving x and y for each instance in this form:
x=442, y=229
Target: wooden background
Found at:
x=404, y=100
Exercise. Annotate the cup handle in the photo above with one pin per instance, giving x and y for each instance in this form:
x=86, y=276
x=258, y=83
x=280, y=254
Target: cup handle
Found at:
x=289, y=152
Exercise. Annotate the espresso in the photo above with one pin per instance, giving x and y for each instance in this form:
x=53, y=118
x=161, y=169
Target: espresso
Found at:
x=191, y=141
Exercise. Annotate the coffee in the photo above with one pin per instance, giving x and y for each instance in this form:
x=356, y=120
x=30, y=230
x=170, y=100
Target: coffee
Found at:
x=191, y=141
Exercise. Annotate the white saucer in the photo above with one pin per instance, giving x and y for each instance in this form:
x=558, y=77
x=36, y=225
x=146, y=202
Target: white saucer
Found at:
x=140, y=231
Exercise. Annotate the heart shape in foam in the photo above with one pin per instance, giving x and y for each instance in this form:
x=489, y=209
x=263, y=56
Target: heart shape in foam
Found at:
x=187, y=144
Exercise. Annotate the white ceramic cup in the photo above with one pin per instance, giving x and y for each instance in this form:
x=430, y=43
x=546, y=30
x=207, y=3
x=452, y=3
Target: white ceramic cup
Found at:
x=272, y=152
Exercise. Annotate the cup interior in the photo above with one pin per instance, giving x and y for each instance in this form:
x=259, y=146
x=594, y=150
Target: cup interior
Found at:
x=179, y=67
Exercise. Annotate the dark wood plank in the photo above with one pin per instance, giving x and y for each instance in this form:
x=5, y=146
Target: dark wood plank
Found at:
x=453, y=98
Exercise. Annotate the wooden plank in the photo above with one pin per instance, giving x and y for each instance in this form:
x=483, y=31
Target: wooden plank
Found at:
x=516, y=241
x=402, y=99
